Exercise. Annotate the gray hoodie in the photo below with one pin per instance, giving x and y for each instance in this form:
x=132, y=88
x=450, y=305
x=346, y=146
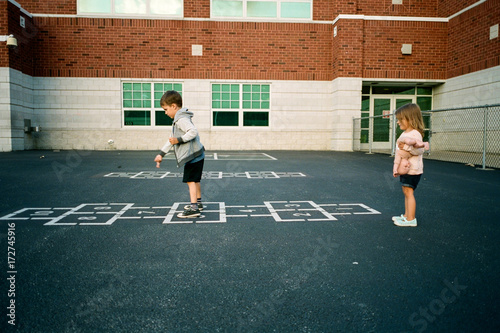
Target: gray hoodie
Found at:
x=183, y=129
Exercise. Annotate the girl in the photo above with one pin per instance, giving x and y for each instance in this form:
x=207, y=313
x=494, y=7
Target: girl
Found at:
x=410, y=121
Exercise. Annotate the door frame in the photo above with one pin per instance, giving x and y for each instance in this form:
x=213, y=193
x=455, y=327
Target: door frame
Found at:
x=385, y=145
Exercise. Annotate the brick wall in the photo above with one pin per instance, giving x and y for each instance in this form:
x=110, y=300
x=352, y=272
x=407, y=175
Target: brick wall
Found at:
x=197, y=8
x=20, y=58
x=49, y=6
x=4, y=52
x=348, y=49
x=89, y=47
x=372, y=49
x=324, y=10
x=192, y=8
x=447, y=8
x=470, y=48
x=424, y=8
x=328, y=10
x=382, y=50
x=92, y=47
x=343, y=7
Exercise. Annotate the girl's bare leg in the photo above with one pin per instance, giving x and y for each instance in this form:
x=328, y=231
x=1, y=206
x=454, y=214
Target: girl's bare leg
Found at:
x=410, y=203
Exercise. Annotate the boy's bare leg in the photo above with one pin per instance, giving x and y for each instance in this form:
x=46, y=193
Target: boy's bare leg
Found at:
x=193, y=191
x=198, y=191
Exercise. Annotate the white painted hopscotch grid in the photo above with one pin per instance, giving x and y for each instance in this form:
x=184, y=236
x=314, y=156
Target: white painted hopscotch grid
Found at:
x=206, y=175
x=100, y=214
x=232, y=156
x=220, y=214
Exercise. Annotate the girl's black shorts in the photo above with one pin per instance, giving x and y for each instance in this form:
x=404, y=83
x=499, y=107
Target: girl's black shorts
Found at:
x=193, y=172
x=410, y=180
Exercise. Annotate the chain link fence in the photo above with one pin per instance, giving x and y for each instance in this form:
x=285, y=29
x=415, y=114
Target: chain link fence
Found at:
x=469, y=135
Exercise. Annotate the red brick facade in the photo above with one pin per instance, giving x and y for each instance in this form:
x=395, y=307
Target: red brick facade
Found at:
x=89, y=47
x=4, y=30
x=324, y=10
x=418, y=8
x=197, y=8
x=382, y=56
x=328, y=10
x=348, y=49
x=470, y=49
x=449, y=7
x=49, y=6
x=20, y=58
x=113, y=47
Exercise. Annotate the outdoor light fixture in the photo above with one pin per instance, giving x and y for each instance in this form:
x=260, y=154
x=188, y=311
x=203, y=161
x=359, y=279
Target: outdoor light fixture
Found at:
x=11, y=41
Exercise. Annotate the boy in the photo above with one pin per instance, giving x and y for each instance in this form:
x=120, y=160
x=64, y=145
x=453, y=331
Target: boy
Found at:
x=188, y=149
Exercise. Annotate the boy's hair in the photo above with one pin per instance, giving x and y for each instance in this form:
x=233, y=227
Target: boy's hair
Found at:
x=412, y=114
x=170, y=97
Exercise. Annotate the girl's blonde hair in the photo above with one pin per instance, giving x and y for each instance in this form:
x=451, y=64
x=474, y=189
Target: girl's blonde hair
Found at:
x=412, y=114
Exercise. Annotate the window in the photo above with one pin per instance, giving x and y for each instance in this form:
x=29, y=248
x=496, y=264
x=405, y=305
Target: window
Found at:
x=141, y=103
x=172, y=8
x=365, y=120
x=263, y=9
x=398, y=90
x=235, y=104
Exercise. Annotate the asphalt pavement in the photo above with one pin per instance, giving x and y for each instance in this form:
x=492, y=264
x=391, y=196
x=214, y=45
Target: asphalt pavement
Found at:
x=289, y=241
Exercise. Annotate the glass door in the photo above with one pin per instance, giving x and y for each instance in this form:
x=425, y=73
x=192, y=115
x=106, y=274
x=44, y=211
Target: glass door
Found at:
x=381, y=124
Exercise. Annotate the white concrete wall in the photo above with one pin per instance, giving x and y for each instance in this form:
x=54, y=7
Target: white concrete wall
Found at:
x=461, y=131
x=21, y=97
x=16, y=105
x=79, y=113
x=345, y=105
x=84, y=113
x=5, y=126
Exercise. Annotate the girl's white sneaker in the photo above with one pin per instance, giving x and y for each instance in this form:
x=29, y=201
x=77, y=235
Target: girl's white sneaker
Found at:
x=405, y=223
x=395, y=218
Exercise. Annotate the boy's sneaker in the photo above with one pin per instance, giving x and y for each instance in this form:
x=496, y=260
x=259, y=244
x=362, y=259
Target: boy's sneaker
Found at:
x=188, y=213
x=200, y=207
x=405, y=223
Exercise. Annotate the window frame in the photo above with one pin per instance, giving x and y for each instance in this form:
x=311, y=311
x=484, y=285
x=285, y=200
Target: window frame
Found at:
x=241, y=110
x=278, y=17
x=138, y=15
x=152, y=109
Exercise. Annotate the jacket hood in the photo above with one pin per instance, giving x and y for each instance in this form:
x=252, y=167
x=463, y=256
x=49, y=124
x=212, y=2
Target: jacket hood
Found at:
x=183, y=113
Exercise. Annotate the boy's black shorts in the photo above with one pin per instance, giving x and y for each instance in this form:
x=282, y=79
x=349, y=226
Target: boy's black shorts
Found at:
x=193, y=172
x=410, y=180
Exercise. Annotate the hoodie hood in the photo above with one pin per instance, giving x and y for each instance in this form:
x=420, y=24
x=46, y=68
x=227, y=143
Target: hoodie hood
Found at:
x=183, y=113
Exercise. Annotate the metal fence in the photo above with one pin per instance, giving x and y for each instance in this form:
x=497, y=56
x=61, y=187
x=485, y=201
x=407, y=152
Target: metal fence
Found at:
x=469, y=135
